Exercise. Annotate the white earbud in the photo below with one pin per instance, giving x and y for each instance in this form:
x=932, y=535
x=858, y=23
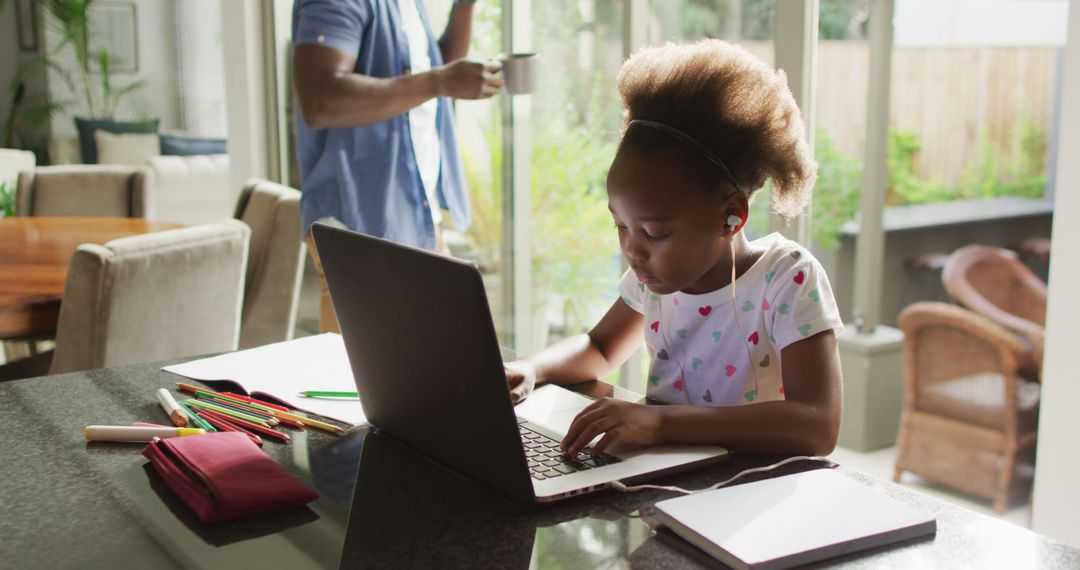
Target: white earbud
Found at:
x=733, y=221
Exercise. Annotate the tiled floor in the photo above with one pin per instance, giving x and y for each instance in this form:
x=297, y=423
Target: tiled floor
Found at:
x=876, y=463
x=880, y=464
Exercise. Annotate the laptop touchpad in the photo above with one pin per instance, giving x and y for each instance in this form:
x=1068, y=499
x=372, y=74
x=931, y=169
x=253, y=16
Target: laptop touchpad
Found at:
x=553, y=407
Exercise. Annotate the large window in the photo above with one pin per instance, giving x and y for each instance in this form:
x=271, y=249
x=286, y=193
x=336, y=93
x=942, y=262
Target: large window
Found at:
x=557, y=144
x=972, y=102
x=574, y=128
x=570, y=127
x=480, y=134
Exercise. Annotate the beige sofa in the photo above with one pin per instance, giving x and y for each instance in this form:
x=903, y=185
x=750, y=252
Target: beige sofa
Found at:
x=187, y=189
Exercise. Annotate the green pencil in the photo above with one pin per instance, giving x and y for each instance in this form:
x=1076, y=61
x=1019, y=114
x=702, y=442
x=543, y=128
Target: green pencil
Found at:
x=196, y=419
x=329, y=394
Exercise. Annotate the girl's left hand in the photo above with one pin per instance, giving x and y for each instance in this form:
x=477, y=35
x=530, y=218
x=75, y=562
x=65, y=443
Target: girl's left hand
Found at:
x=620, y=422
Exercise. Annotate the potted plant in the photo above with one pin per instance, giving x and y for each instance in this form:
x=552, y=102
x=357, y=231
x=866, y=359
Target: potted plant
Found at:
x=91, y=80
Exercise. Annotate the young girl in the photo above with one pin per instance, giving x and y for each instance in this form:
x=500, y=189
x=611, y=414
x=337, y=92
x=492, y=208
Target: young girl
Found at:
x=741, y=335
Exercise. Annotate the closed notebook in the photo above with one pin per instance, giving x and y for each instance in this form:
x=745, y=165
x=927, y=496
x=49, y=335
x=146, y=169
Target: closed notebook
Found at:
x=791, y=520
x=224, y=475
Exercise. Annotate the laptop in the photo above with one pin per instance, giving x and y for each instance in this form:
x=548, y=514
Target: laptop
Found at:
x=422, y=346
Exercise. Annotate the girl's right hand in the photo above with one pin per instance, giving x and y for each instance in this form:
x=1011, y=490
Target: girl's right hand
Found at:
x=521, y=378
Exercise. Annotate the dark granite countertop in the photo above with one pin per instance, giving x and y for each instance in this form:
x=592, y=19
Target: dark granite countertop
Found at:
x=67, y=503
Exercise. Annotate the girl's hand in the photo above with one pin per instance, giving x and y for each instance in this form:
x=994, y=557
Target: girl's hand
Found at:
x=620, y=422
x=521, y=377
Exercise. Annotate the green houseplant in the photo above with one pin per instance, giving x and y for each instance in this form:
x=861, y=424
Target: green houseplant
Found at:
x=88, y=74
x=7, y=199
x=92, y=79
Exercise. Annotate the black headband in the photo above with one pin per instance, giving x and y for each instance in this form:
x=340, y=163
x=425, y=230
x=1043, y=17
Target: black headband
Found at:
x=688, y=140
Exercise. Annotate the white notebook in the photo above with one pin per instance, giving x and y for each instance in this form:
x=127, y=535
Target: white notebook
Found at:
x=791, y=520
x=283, y=369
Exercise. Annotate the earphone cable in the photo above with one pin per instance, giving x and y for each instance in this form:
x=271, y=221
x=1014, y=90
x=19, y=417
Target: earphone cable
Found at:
x=735, y=316
x=623, y=488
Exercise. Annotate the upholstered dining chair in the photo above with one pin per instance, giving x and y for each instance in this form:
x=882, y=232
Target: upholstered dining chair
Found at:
x=153, y=297
x=968, y=414
x=275, y=264
x=85, y=190
x=995, y=283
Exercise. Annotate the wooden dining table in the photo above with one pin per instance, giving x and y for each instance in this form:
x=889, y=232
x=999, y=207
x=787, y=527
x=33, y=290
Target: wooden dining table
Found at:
x=35, y=252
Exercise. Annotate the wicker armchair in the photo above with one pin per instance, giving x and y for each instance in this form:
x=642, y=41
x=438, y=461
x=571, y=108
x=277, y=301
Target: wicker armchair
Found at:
x=995, y=283
x=968, y=415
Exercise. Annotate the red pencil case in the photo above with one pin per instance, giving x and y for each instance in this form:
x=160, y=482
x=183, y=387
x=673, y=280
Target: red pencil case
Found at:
x=224, y=476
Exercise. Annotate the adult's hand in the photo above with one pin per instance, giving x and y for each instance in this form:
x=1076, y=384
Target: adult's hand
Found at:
x=464, y=79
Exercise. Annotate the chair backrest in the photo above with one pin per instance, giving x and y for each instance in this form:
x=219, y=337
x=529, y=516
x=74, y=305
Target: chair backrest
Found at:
x=981, y=278
x=85, y=190
x=995, y=283
x=275, y=264
x=959, y=363
x=153, y=297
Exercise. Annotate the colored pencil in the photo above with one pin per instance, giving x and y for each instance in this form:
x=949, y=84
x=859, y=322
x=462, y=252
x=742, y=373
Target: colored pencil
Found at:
x=226, y=426
x=329, y=394
x=252, y=427
x=225, y=399
x=239, y=407
x=184, y=387
x=232, y=422
x=188, y=388
x=251, y=400
x=195, y=418
x=312, y=422
x=280, y=414
x=203, y=404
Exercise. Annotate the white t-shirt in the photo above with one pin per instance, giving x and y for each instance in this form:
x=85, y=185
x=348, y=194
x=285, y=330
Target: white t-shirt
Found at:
x=422, y=118
x=705, y=353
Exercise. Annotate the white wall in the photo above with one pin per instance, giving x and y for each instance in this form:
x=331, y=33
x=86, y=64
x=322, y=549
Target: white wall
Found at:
x=156, y=66
x=202, y=67
x=1057, y=474
x=245, y=84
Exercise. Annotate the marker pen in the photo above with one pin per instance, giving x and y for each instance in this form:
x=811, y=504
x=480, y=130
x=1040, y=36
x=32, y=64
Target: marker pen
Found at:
x=168, y=403
x=135, y=433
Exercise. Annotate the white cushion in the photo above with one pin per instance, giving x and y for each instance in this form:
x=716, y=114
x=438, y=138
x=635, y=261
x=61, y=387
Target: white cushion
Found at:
x=130, y=149
x=64, y=150
x=193, y=189
x=12, y=162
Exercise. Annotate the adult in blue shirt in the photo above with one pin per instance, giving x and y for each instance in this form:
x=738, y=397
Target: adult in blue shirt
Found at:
x=375, y=135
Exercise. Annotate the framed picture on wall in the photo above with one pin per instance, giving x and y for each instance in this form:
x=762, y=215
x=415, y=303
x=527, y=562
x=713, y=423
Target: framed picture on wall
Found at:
x=26, y=21
x=112, y=26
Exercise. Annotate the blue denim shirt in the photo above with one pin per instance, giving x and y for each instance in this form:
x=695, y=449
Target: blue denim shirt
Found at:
x=366, y=177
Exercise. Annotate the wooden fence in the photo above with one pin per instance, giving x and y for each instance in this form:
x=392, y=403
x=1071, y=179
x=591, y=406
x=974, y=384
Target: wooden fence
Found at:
x=952, y=97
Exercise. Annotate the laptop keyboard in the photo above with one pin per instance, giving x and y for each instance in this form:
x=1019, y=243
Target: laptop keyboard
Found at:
x=546, y=460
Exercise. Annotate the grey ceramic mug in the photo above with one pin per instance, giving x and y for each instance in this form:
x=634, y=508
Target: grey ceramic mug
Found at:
x=521, y=71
